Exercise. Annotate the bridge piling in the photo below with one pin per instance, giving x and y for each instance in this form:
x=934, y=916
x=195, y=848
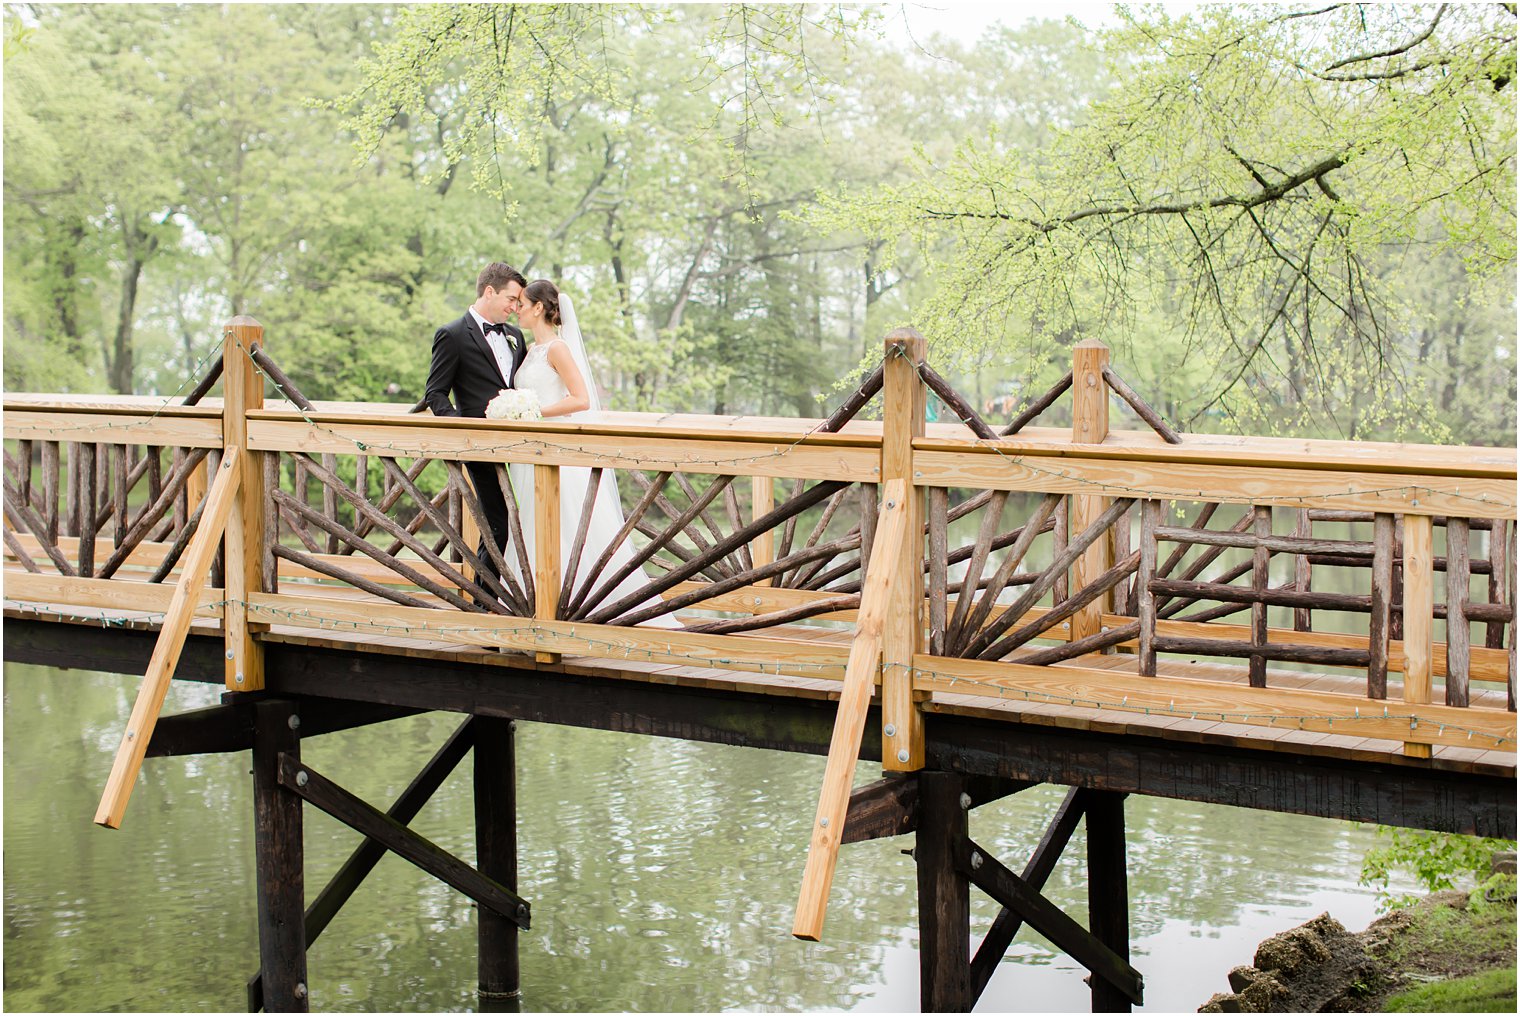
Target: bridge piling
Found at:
x=1107, y=890
x=944, y=896
x=279, y=861
x=496, y=850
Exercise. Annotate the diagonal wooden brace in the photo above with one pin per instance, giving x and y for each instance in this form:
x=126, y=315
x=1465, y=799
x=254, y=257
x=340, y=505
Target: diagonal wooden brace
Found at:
x=385, y=830
x=171, y=641
x=860, y=678
x=988, y=875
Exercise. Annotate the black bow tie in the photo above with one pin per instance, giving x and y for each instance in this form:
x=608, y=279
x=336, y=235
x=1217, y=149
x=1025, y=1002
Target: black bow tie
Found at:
x=499, y=327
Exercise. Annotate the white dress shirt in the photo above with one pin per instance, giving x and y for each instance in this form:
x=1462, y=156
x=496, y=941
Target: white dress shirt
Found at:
x=500, y=347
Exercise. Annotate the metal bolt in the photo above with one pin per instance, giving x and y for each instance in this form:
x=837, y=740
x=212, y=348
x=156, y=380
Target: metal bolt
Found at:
x=227, y=464
x=824, y=822
x=965, y=802
x=976, y=860
x=302, y=778
x=300, y=991
x=237, y=678
x=295, y=722
x=229, y=654
x=131, y=735
x=902, y=756
x=890, y=730
x=891, y=504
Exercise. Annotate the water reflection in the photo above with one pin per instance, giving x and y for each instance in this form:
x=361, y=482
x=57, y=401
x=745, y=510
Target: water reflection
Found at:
x=662, y=875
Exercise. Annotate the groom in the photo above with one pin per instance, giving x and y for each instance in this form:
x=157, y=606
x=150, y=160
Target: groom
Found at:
x=474, y=358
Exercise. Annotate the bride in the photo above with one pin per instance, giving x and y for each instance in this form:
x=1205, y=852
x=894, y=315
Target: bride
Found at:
x=556, y=371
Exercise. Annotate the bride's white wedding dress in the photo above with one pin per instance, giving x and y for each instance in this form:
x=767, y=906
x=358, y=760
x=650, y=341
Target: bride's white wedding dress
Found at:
x=537, y=375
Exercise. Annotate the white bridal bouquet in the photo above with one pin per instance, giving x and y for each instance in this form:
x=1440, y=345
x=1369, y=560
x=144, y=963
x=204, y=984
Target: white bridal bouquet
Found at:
x=512, y=404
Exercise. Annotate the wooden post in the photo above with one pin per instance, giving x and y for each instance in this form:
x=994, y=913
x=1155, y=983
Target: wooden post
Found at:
x=944, y=896
x=1419, y=580
x=1089, y=425
x=546, y=549
x=1261, y=559
x=243, y=558
x=496, y=850
x=278, y=860
x=1380, y=624
x=1303, y=571
x=1145, y=600
x=1107, y=890
x=1458, y=635
x=902, y=725
x=762, y=550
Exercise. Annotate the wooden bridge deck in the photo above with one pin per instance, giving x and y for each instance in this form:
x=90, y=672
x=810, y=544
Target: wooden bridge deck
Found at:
x=1286, y=739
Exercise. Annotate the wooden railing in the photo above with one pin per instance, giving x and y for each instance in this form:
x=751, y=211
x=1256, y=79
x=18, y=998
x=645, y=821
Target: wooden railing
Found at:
x=1143, y=563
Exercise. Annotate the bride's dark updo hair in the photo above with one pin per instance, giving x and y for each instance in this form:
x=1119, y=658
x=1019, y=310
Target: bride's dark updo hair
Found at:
x=542, y=291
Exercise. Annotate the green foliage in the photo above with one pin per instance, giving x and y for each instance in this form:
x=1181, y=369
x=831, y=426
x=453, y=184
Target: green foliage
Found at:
x=1261, y=181
x=1437, y=860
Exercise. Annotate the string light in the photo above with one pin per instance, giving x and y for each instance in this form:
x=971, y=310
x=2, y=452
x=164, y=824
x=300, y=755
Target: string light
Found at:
x=554, y=641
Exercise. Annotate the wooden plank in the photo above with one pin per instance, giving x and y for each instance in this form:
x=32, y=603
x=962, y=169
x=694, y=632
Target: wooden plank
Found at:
x=113, y=595
x=903, y=405
x=164, y=427
x=1281, y=708
x=1425, y=494
x=1458, y=635
x=1419, y=596
x=863, y=670
x=742, y=652
x=317, y=789
x=171, y=640
x=1246, y=451
x=810, y=457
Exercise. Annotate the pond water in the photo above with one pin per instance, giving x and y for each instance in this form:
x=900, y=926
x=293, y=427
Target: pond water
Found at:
x=662, y=876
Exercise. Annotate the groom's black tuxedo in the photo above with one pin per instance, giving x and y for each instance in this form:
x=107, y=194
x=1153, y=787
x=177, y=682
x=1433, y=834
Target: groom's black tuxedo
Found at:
x=464, y=365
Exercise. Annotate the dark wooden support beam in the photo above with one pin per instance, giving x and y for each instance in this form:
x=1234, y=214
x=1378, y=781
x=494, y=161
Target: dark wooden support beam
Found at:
x=888, y=807
x=207, y=731
x=368, y=854
x=278, y=859
x=229, y=726
x=318, y=790
x=1107, y=890
x=987, y=874
x=1445, y=795
x=496, y=850
x=1041, y=863
x=944, y=897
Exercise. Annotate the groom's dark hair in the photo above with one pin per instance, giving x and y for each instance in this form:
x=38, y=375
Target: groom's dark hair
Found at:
x=496, y=275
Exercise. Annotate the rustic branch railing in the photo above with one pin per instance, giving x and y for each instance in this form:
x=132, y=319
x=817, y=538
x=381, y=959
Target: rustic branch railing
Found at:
x=1086, y=568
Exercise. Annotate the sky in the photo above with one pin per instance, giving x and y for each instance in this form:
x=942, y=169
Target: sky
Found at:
x=965, y=20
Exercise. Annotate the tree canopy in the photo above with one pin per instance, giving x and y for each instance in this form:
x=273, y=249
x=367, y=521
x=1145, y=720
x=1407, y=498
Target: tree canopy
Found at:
x=1292, y=218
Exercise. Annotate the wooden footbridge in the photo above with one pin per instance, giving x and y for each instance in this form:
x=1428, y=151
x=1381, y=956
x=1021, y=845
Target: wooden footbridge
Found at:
x=1317, y=627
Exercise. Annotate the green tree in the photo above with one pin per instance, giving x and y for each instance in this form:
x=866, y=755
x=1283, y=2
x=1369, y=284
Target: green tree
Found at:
x=1254, y=176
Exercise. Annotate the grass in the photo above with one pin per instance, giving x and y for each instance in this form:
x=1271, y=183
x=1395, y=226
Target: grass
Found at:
x=1489, y=991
